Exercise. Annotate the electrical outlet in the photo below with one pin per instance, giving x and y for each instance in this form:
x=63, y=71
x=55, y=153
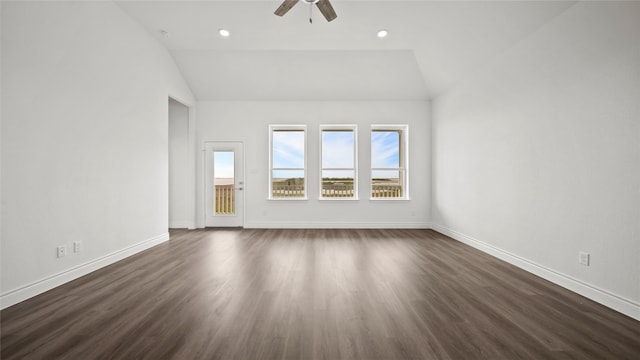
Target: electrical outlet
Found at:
x=77, y=246
x=584, y=258
x=61, y=251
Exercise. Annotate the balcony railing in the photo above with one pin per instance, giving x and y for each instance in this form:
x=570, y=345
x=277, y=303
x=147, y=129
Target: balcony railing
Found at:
x=283, y=190
x=386, y=191
x=336, y=191
x=225, y=200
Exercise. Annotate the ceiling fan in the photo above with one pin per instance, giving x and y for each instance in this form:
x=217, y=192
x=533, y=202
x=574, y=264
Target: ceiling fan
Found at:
x=324, y=5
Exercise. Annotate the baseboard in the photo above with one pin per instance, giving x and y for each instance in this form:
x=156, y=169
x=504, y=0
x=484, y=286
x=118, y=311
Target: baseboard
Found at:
x=25, y=292
x=182, y=225
x=337, y=225
x=606, y=298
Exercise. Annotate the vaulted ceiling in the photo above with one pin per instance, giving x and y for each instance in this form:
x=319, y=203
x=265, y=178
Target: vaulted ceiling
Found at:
x=431, y=46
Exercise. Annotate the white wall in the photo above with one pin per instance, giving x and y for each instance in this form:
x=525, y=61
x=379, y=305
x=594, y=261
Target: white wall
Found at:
x=84, y=140
x=248, y=122
x=0, y=143
x=538, y=156
x=180, y=189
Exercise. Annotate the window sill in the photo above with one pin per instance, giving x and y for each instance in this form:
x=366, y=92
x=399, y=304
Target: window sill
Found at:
x=389, y=199
x=289, y=199
x=338, y=199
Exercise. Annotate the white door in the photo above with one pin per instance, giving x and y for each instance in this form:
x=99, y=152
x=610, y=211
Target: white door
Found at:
x=224, y=184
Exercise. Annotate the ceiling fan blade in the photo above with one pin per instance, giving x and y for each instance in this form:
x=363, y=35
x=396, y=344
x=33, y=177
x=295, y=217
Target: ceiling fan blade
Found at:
x=327, y=10
x=285, y=7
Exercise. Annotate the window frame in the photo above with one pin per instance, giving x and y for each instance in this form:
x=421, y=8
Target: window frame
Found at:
x=403, y=160
x=287, y=127
x=346, y=128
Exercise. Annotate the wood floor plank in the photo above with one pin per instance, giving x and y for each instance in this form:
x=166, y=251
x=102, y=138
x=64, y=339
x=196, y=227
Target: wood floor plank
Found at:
x=313, y=294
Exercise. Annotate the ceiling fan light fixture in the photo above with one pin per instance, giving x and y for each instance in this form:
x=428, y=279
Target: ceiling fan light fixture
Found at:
x=224, y=33
x=383, y=33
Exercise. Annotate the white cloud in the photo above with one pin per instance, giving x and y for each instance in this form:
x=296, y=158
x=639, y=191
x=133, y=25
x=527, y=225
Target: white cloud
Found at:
x=385, y=149
x=288, y=149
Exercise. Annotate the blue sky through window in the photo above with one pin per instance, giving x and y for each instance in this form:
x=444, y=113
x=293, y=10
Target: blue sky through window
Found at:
x=223, y=164
x=337, y=149
x=385, y=149
x=288, y=149
x=288, y=153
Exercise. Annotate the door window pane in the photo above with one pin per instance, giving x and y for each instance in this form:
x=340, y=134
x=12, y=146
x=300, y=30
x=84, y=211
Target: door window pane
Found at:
x=224, y=182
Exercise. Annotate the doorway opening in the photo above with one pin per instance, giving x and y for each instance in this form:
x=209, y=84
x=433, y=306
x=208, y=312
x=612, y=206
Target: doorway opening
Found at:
x=179, y=169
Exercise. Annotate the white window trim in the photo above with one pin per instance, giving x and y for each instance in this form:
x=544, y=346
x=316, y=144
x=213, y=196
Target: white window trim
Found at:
x=280, y=127
x=404, y=153
x=338, y=127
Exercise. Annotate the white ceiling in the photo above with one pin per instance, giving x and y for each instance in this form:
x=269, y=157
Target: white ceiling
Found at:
x=431, y=46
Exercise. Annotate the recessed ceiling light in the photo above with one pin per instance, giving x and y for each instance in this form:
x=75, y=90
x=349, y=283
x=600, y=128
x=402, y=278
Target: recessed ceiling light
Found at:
x=383, y=33
x=224, y=33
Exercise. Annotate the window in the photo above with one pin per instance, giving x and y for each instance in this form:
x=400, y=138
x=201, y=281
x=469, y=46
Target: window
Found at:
x=224, y=182
x=338, y=159
x=389, y=162
x=287, y=162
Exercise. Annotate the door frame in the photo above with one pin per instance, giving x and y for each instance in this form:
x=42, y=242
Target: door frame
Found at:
x=204, y=178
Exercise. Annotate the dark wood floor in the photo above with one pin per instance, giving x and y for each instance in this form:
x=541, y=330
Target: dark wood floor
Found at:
x=314, y=294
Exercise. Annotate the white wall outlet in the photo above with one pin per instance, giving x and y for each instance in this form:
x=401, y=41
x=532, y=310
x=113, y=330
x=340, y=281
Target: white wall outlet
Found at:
x=61, y=251
x=77, y=246
x=584, y=258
